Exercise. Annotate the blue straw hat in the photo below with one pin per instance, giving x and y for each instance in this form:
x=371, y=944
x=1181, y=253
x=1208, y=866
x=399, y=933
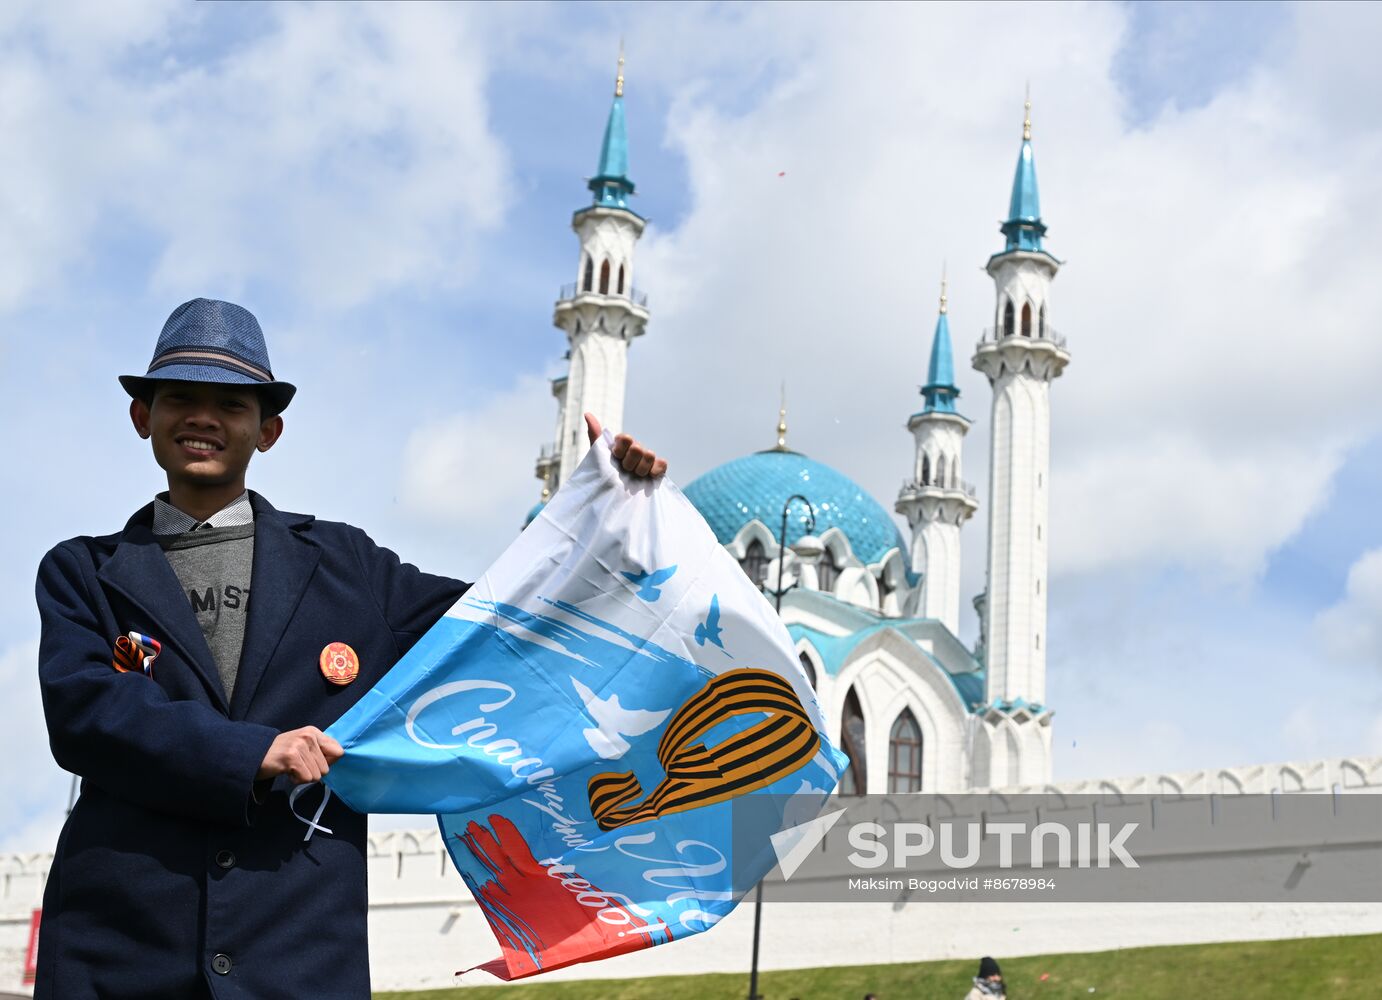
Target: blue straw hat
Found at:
x=207, y=340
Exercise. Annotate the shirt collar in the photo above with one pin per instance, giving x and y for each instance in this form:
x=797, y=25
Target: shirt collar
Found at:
x=168, y=520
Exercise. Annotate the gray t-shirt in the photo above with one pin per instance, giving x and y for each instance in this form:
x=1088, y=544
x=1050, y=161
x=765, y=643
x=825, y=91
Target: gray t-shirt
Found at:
x=214, y=565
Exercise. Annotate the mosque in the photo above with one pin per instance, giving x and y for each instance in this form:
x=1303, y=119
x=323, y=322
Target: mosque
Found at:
x=875, y=615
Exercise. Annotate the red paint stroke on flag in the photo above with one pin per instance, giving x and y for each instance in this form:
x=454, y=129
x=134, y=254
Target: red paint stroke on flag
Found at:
x=547, y=917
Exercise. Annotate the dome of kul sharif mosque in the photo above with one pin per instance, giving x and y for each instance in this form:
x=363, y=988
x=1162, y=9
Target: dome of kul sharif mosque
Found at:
x=755, y=487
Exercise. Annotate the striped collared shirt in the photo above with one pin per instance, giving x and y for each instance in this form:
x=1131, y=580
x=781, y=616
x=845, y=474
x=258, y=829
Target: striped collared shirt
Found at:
x=168, y=520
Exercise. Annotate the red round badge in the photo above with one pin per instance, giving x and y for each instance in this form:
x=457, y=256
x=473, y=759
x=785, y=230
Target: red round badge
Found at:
x=339, y=663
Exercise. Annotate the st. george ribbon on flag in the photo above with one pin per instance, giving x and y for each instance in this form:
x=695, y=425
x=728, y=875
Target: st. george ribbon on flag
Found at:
x=581, y=720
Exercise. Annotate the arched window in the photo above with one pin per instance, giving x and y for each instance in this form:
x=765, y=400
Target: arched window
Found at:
x=589, y=274
x=827, y=571
x=855, y=780
x=1026, y=319
x=1008, y=319
x=940, y=472
x=884, y=592
x=620, y=288
x=809, y=667
x=755, y=563
x=904, y=754
x=925, y=470
x=604, y=277
x=1041, y=322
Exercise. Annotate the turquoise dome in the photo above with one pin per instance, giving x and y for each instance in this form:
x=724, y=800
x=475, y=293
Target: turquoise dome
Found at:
x=729, y=496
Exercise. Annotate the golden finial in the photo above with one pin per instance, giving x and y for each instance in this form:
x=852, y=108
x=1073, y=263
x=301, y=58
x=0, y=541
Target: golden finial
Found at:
x=942, y=287
x=1027, y=114
x=782, y=422
x=546, y=484
x=619, y=79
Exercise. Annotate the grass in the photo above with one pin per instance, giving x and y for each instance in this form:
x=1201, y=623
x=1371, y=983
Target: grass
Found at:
x=1263, y=970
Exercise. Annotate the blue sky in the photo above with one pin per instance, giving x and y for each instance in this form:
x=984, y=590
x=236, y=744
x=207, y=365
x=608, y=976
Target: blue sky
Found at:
x=390, y=191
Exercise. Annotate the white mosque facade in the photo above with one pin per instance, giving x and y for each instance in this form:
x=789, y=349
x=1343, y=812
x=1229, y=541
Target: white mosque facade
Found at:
x=875, y=614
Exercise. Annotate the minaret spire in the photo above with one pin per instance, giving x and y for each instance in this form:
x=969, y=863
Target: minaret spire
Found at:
x=940, y=390
x=1024, y=228
x=782, y=422
x=611, y=185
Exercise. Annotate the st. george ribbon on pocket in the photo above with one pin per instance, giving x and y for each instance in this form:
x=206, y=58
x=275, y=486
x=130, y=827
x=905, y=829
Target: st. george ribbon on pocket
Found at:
x=135, y=651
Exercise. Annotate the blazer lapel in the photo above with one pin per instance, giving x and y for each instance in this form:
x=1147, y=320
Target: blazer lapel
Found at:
x=284, y=562
x=140, y=571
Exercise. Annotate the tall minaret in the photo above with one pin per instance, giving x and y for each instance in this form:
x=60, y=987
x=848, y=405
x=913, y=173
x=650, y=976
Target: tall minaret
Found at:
x=1021, y=354
x=602, y=311
x=937, y=500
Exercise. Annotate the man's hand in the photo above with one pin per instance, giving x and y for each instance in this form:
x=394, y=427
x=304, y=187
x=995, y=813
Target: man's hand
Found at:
x=633, y=457
x=304, y=755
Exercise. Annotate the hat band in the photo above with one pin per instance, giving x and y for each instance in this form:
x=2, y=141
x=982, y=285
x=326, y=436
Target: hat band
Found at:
x=221, y=358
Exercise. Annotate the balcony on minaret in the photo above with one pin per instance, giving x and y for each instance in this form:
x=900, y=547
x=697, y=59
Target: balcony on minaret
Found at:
x=1042, y=333
x=572, y=291
x=1033, y=349
x=545, y=466
x=959, y=488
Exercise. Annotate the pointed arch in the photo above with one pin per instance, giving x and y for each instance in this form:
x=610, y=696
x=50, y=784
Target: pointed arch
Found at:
x=588, y=281
x=755, y=562
x=1041, y=322
x=809, y=667
x=1008, y=319
x=620, y=288
x=827, y=571
x=904, y=754
x=1026, y=319
x=854, y=780
x=604, y=277
x=940, y=472
x=925, y=470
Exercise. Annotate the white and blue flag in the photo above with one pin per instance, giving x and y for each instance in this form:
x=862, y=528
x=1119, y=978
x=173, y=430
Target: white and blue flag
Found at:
x=583, y=717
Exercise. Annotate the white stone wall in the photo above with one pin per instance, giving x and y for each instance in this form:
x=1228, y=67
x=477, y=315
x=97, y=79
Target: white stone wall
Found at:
x=936, y=510
x=1020, y=369
x=607, y=235
x=599, y=366
x=940, y=440
x=1343, y=774
x=936, y=555
x=1019, y=469
x=890, y=672
x=599, y=326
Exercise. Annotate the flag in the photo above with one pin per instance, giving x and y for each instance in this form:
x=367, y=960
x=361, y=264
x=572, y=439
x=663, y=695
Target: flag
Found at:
x=582, y=720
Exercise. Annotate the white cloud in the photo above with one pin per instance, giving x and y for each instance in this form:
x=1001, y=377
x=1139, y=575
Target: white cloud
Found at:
x=1351, y=630
x=35, y=788
x=339, y=152
x=466, y=469
x=1213, y=295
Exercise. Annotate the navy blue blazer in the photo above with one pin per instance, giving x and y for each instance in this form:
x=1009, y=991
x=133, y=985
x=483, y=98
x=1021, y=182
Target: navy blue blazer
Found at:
x=175, y=877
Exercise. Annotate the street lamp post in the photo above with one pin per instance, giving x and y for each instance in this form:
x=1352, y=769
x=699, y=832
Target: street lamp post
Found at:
x=777, y=603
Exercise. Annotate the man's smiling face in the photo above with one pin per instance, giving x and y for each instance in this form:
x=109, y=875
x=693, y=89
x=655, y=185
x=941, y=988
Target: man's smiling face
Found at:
x=204, y=434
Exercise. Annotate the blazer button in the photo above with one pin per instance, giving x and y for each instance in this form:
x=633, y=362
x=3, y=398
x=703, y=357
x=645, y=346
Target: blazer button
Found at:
x=220, y=964
x=225, y=859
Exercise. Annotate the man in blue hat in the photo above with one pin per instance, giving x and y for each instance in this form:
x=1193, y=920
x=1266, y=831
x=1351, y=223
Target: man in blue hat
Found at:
x=189, y=665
